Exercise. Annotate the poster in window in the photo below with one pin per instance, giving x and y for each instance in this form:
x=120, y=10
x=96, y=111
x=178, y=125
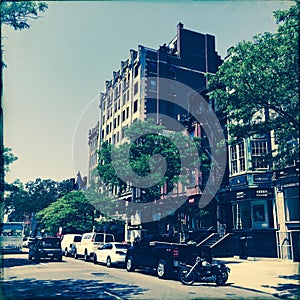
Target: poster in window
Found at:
x=259, y=213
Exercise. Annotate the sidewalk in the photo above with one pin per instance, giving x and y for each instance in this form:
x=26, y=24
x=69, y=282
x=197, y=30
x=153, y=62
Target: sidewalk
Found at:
x=273, y=276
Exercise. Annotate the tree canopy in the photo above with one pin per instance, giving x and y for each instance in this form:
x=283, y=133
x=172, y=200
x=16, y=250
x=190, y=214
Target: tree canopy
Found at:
x=164, y=159
x=257, y=86
x=72, y=212
x=21, y=201
x=17, y=13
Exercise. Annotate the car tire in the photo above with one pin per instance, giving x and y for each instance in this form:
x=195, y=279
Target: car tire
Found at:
x=95, y=259
x=130, y=264
x=86, y=257
x=162, y=269
x=108, y=262
x=29, y=257
x=66, y=253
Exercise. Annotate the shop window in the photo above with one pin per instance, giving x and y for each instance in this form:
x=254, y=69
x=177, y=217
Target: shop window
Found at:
x=259, y=214
x=292, y=208
x=242, y=215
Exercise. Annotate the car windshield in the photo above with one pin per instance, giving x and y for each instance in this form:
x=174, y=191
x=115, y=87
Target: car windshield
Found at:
x=51, y=244
x=122, y=246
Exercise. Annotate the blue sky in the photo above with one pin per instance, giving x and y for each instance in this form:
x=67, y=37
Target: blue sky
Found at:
x=57, y=68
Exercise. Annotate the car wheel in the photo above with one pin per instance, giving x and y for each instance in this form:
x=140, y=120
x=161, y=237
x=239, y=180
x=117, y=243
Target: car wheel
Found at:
x=66, y=253
x=95, y=259
x=29, y=257
x=130, y=264
x=86, y=257
x=108, y=262
x=161, y=269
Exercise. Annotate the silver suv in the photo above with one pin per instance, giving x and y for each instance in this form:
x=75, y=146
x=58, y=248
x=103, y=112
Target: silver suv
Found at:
x=90, y=242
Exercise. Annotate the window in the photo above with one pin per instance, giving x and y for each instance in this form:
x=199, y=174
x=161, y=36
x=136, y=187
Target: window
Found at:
x=136, y=70
x=136, y=88
x=171, y=72
x=172, y=89
x=152, y=85
x=258, y=152
x=292, y=208
x=135, y=106
x=233, y=156
x=123, y=115
x=242, y=156
x=152, y=67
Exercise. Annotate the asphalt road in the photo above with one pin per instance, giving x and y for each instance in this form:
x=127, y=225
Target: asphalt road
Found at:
x=76, y=279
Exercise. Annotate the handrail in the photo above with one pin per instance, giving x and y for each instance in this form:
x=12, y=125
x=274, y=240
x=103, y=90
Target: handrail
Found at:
x=202, y=242
x=221, y=239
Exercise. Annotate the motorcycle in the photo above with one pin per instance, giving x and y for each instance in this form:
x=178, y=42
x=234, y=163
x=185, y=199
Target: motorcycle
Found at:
x=203, y=271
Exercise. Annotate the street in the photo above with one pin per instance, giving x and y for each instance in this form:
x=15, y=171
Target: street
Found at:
x=76, y=279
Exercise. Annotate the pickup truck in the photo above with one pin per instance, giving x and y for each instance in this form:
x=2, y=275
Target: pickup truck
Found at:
x=161, y=254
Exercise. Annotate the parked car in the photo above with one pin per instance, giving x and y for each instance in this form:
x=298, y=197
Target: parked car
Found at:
x=111, y=253
x=69, y=243
x=90, y=242
x=45, y=248
x=160, y=254
x=27, y=241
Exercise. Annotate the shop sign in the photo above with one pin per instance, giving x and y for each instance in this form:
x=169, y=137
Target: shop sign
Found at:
x=262, y=193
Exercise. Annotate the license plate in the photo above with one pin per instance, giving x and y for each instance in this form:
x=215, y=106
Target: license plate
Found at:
x=50, y=254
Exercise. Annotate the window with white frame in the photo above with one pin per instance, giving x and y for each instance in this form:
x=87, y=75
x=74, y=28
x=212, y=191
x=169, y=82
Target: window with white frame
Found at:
x=237, y=158
x=258, y=152
x=242, y=163
x=233, y=157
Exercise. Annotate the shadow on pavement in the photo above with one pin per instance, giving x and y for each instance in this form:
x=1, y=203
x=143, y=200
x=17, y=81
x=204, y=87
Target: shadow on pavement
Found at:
x=14, y=262
x=66, y=289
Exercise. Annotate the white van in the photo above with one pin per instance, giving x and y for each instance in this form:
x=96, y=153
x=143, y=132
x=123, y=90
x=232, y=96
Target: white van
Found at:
x=69, y=243
x=90, y=242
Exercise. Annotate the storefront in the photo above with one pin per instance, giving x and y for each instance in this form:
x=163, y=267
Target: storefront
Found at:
x=253, y=221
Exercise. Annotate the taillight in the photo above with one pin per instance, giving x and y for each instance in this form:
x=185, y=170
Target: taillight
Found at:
x=175, y=252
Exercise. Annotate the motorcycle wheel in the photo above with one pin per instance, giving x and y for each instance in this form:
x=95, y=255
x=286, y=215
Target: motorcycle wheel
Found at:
x=185, y=277
x=221, y=278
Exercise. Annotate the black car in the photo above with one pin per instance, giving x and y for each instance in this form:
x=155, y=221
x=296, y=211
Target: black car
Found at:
x=45, y=248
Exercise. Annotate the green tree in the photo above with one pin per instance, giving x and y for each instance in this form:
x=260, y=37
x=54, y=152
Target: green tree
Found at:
x=73, y=213
x=141, y=149
x=36, y=195
x=17, y=13
x=9, y=158
x=263, y=76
